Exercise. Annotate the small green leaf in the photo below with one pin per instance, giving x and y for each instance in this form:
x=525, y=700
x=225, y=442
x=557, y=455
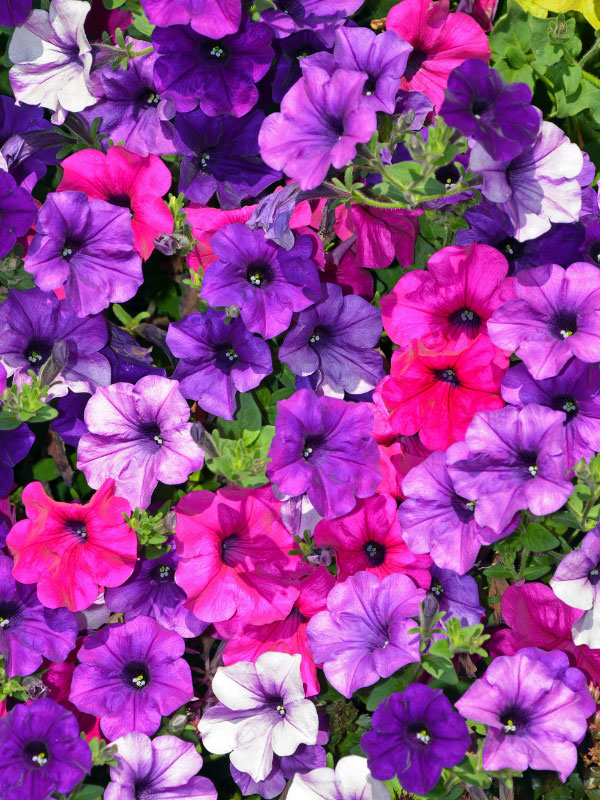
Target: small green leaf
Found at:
x=538, y=539
x=45, y=470
x=440, y=668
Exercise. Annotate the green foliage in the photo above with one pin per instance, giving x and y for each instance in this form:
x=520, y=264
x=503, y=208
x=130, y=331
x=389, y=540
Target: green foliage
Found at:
x=29, y=402
x=12, y=271
x=152, y=531
x=242, y=461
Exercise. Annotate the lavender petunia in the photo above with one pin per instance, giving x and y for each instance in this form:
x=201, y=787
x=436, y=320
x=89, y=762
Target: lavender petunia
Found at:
x=221, y=154
x=364, y=634
x=265, y=281
x=262, y=712
x=27, y=142
x=335, y=342
x=130, y=675
x=218, y=358
x=536, y=188
x=217, y=75
x=511, y=459
x=212, y=18
x=52, y=59
x=456, y=595
x=351, y=780
x=291, y=16
x=323, y=448
x=165, y=767
x=306, y=758
x=129, y=361
x=85, y=247
x=435, y=519
x=138, y=434
x=555, y=316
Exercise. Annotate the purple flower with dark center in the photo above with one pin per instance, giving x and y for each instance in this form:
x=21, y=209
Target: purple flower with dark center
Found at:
x=491, y=225
x=31, y=321
x=535, y=708
x=555, y=316
x=17, y=212
x=14, y=12
x=221, y=154
x=306, y=758
x=435, y=519
x=42, y=752
x=130, y=107
x=415, y=733
x=334, y=341
x=138, y=434
x=351, y=780
x=290, y=16
x=165, y=767
x=129, y=361
x=28, y=631
x=289, y=53
x=14, y=446
x=381, y=57
x=262, y=713
x=536, y=188
x=323, y=448
x=69, y=423
x=511, y=459
x=590, y=249
x=267, y=282
x=456, y=595
x=219, y=75
x=323, y=117
x=575, y=390
x=497, y=115
x=85, y=247
x=364, y=634
x=131, y=674
x=218, y=358
x=25, y=136
x=152, y=592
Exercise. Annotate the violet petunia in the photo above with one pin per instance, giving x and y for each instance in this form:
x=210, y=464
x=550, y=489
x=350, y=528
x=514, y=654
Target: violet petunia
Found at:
x=456, y=595
x=140, y=434
x=14, y=12
x=86, y=248
x=17, y=212
x=351, y=780
x=213, y=18
x=290, y=16
x=27, y=142
x=576, y=583
x=129, y=361
x=289, y=53
x=14, y=446
x=365, y=633
x=306, y=758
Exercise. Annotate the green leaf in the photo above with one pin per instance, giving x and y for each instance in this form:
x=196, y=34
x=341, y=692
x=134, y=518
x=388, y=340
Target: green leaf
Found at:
x=532, y=573
x=498, y=571
x=89, y=792
x=513, y=30
x=249, y=415
x=396, y=683
x=122, y=315
x=538, y=539
x=8, y=421
x=44, y=414
x=45, y=470
x=440, y=668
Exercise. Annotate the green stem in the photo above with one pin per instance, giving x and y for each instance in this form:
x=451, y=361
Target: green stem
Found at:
x=591, y=78
x=136, y=53
x=591, y=52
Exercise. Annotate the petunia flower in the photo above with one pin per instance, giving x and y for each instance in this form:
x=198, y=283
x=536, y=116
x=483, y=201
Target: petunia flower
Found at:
x=14, y=12
x=52, y=58
x=364, y=634
x=17, y=212
x=382, y=235
x=291, y=16
x=14, y=446
x=447, y=306
x=126, y=180
x=369, y=538
x=262, y=713
x=213, y=18
x=140, y=433
x=72, y=549
x=350, y=780
x=441, y=42
x=457, y=596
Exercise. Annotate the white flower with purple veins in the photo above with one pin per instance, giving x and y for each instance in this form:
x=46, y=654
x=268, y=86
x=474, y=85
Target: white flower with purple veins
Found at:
x=262, y=712
x=351, y=780
x=52, y=59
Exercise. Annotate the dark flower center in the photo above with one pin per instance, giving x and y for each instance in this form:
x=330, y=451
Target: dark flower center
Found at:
x=77, y=528
x=414, y=64
x=447, y=375
x=142, y=789
x=277, y=704
x=448, y=175
x=8, y=611
x=226, y=358
x=318, y=336
x=151, y=432
x=311, y=446
x=594, y=252
x=564, y=325
x=510, y=247
x=336, y=125
x=36, y=753
x=217, y=51
x=566, y=404
x=259, y=275
x=375, y=552
x=463, y=508
x=228, y=549
x=437, y=589
x=419, y=733
x=529, y=463
x=594, y=575
x=370, y=86
x=162, y=573
x=136, y=675
x=70, y=247
x=149, y=97
x=479, y=106
x=37, y=351
x=121, y=200
x=514, y=721
x=465, y=318
x=292, y=7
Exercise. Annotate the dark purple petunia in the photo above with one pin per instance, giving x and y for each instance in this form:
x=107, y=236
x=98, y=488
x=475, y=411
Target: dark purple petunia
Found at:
x=334, y=341
x=14, y=12
x=590, y=249
x=511, y=459
x=25, y=136
x=130, y=675
x=289, y=53
x=208, y=17
x=85, y=247
x=323, y=448
x=218, y=75
x=221, y=154
x=457, y=596
x=497, y=115
x=555, y=316
x=14, y=446
x=415, y=734
x=218, y=358
x=129, y=361
x=381, y=57
x=17, y=212
x=290, y=16
x=152, y=592
x=267, y=282
x=69, y=424
x=31, y=321
x=575, y=390
x=28, y=631
x=42, y=751
x=489, y=224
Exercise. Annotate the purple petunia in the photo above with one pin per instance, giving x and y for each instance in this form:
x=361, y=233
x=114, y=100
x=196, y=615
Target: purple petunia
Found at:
x=364, y=634
x=456, y=596
x=15, y=12
x=218, y=358
x=27, y=142
x=511, y=459
x=138, y=434
x=209, y=17
x=323, y=448
x=415, y=733
x=289, y=54
x=307, y=757
x=334, y=341
x=14, y=446
x=351, y=780
x=17, y=212
x=86, y=248
x=555, y=316
x=130, y=675
x=290, y=16
x=265, y=281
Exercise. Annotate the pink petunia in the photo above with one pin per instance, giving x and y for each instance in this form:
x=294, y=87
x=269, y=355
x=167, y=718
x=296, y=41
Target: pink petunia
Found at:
x=369, y=538
x=441, y=42
x=71, y=550
x=448, y=306
x=287, y=635
x=128, y=180
x=382, y=234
